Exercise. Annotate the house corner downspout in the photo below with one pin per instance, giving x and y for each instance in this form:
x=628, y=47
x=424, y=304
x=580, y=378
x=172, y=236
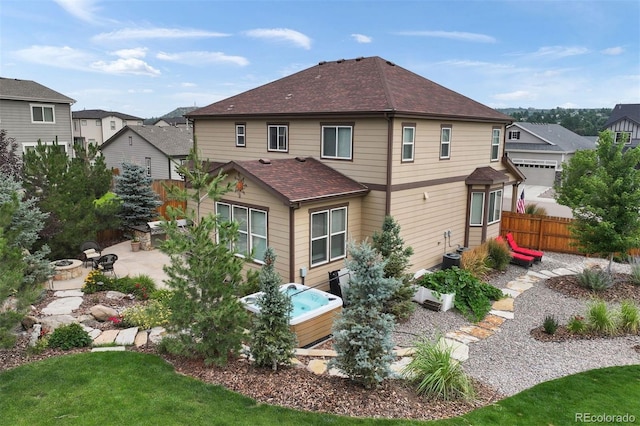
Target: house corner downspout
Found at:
x=387, y=201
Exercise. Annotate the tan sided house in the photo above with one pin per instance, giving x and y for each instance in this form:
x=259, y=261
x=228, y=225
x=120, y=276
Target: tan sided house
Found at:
x=320, y=157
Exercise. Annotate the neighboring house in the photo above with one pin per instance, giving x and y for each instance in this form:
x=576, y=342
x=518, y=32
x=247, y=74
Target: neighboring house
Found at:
x=95, y=126
x=159, y=149
x=624, y=121
x=320, y=157
x=30, y=112
x=171, y=121
x=539, y=150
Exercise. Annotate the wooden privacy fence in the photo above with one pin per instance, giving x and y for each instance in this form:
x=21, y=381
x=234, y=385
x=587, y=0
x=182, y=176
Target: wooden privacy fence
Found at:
x=158, y=187
x=542, y=232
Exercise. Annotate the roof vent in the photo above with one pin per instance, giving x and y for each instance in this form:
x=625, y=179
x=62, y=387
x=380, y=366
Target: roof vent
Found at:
x=358, y=59
x=322, y=62
x=391, y=63
x=340, y=61
x=265, y=161
x=301, y=159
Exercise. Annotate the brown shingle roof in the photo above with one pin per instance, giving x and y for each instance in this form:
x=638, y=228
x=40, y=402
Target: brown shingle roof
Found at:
x=362, y=85
x=298, y=180
x=486, y=176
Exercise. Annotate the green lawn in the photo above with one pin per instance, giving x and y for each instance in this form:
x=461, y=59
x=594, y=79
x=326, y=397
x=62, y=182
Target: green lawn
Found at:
x=129, y=388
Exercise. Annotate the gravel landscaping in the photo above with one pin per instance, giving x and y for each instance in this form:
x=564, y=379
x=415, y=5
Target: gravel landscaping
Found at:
x=503, y=364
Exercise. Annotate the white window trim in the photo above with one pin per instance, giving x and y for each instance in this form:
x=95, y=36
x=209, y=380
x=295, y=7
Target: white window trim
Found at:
x=98, y=123
x=249, y=232
x=43, y=106
x=239, y=134
x=286, y=137
x=327, y=237
x=497, y=208
x=618, y=135
x=112, y=125
x=443, y=142
x=26, y=145
x=481, y=209
x=514, y=135
x=337, y=128
x=495, y=142
x=412, y=143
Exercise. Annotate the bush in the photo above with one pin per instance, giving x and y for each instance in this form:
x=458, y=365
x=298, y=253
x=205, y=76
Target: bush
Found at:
x=140, y=286
x=475, y=261
x=499, y=254
x=91, y=283
x=635, y=270
x=600, y=318
x=595, y=279
x=69, y=336
x=550, y=324
x=629, y=319
x=473, y=297
x=577, y=325
x=436, y=374
x=150, y=314
x=533, y=208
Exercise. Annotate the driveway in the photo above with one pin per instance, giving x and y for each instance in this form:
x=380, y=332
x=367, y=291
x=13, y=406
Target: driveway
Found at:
x=540, y=196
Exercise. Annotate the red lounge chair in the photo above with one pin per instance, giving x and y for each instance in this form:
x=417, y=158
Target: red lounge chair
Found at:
x=536, y=254
x=518, y=258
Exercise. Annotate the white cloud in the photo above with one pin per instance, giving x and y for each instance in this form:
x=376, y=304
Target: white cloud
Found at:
x=55, y=56
x=281, y=34
x=613, y=51
x=155, y=33
x=85, y=10
x=187, y=84
x=138, y=52
x=454, y=35
x=361, y=38
x=561, y=51
x=201, y=58
x=126, y=66
x=517, y=95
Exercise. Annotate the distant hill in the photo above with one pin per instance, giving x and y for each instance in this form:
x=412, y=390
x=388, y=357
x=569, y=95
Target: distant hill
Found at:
x=178, y=112
x=583, y=121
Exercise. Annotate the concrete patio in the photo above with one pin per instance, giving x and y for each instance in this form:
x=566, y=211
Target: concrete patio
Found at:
x=147, y=262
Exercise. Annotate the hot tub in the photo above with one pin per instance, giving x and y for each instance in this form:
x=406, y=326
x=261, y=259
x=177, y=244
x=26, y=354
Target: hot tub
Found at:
x=313, y=311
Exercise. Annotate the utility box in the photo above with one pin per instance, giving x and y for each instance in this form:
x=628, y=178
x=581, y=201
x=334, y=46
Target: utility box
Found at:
x=450, y=259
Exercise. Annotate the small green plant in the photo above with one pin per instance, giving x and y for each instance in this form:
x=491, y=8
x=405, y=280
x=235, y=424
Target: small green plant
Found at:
x=162, y=295
x=436, y=374
x=600, y=318
x=69, y=336
x=595, y=279
x=40, y=346
x=550, y=324
x=97, y=281
x=475, y=261
x=577, y=325
x=499, y=254
x=629, y=318
x=150, y=314
x=635, y=270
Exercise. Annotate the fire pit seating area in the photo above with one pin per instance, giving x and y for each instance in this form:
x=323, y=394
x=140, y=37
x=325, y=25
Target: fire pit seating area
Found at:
x=66, y=269
x=152, y=234
x=89, y=252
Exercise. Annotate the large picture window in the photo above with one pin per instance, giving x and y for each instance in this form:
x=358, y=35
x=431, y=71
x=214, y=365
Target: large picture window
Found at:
x=337, y=142
x=445, y=142
x=408, y=142
x=42, y=114
x=477, y=209
x=278, y=138
x=328, y=235
x=252, y=228
x=476, y=215
x=495, y=206
x=495, y=145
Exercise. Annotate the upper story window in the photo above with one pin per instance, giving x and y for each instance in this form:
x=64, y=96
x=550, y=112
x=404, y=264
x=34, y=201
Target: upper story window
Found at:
x=328, y=235
x=408, y=141
x=75, y=125
x=241, y=135
x=98, y=123
x=278, y=137
x=147, y=163
x=626, y=136
x=83, y=122
x=514, y=135
x=337, y=142
x=124, y=123
x=113, y=125
x=252, y=228
x=130, y=140
x=445, y=142
x=495, y=144
x=42, y=114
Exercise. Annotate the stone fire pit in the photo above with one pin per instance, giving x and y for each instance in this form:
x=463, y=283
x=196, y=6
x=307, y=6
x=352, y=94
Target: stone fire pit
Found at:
x=67, y=269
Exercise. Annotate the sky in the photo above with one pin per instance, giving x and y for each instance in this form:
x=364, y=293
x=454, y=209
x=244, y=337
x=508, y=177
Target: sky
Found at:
x=146, y=58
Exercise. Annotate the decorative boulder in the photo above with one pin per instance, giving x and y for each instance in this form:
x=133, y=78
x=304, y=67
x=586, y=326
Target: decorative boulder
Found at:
x=103, y=313
x=28, y=321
